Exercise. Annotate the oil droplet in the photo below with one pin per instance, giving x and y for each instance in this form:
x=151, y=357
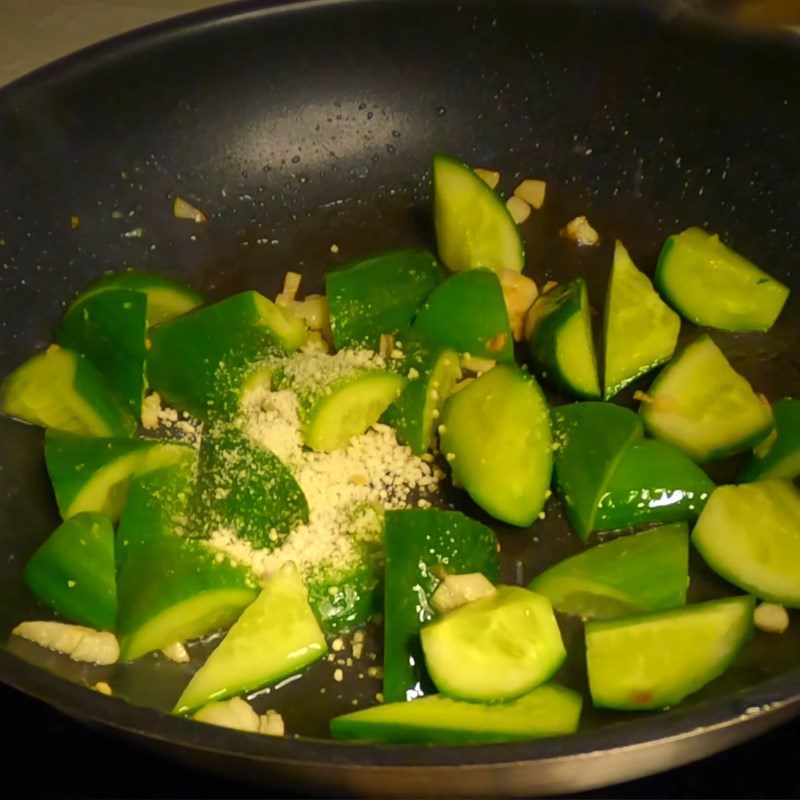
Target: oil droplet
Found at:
x=441, y=111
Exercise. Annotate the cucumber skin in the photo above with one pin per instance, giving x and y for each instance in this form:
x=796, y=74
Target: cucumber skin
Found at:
x=783, y=458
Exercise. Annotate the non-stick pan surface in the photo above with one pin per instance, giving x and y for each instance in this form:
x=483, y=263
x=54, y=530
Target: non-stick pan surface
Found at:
x=299, y=126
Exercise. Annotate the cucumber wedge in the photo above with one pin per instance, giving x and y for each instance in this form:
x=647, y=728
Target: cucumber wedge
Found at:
x=73, y=571
x=781, y=457
x=277, y=635
x=60, y=389
x=549, y=710
x=750, y=535
x=590, y=440
x=641, y=330
x=468, y=313
x=496, y=437
x=109, y=328
x=648, y=571
x=626, y=659
x=560, y=345
x=714, y=286
x=473, y=226
x=700, y=404
x=378, y=295
x=494, y=649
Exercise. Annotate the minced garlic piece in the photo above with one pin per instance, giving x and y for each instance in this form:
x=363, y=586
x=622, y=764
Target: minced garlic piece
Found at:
x=291, y=283
x=315, y=343
x=771, y=618
x=103, y=688
x=176, y=652
x=183, y=210
x=532, y=192
x=519, y=209
x=151, y=405
x=519, y=293
x=580, y=231
x=488, y=176
x=272, y=724
x=75, y=641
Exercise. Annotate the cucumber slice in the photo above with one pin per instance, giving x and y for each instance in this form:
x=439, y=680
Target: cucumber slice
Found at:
x=60, y=389
x=546, y=711
x=245, y=488
x=473, y=226
x=750, y=535
x=496, y=436
x=432, y=371
x=590, y=440
x=198, y=361
x=277, y=635
x=700, y=404
x=781, y=458
x=73, y=571
x=653, y=482
x=648, y=571
x=641, y=330
x=165, y=298
x=494, y=649
x=109, y=328
x=419, y=543
x=560, y=343
x=714, y=286
x=468, y=313
x=378, y=295
x=92, y=474
x=626, y=659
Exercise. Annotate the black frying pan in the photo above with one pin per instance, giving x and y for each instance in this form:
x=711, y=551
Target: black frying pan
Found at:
x=298, y=126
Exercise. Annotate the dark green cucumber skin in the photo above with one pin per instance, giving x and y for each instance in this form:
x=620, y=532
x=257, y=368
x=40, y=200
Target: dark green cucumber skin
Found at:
x=787, y=427
x=109, y=328
x=417, y=542
x=591, y=438
x=379, y=295
x=652, y=470
x=466, y=313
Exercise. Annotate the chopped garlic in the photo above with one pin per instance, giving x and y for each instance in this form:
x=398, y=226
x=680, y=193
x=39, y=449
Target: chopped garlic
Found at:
x=103, y=688
x=338, y=675
x=291, y=283
x=771, y=618
x=580, y=231
x=457, y=590
x=151, y=405
x=519, y=293
x=272, y=724
x=234, y=713
x=314, y=311
x=75, y=641
x=314, y=343
x=488, y=176
x=183, y=210
x=519, y=209
x=176, y=652
x=386, y=345
x=532, y=192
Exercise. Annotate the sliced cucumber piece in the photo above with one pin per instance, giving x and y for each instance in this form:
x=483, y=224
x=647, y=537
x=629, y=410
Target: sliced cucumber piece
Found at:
x=432, y=371
x=641, y=330
x=648, y=571
x=494, y=649
x=378, y=295
x=560, y=343
x=750, y=535
x=109, y=328
x=277, y=635
x=590, y=440
x=653, y=482
x=165, y=298
x=549, y=710
x=73, y=571
x=468, y=313
x=60, y=389
x=496, y=436
x=700, y=404
x=714, y=286
x=626, y=659
x=779, y=458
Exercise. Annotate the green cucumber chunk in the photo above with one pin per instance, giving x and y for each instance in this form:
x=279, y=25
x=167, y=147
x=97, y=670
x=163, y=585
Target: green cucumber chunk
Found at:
x=494, y=649
x=419, y=544
x=700, y=404
x=496, y=437
x=432, y=370
x=626, y=659
x=780, y=458
x=60, y=389
x=198, y=361
x=277, y=635
x=750, y=535
x=245, y=488
x=165, y=298
x=590, y=440
x=109, y=328
x=641, y=330
x=654, y=482
x=560, y=346
x=645, y=572
x=547, y=711
x=713, y=286
x=73, y=571
x=468, y=313
x=473, y=226
x=378, y=295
